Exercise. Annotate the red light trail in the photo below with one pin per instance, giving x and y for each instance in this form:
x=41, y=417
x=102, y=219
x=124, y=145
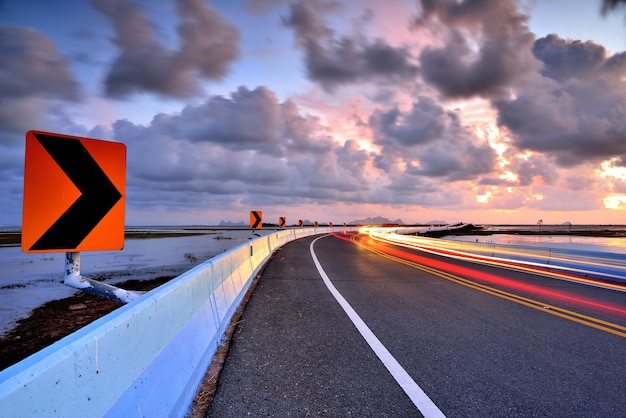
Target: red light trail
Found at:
x=510, y=284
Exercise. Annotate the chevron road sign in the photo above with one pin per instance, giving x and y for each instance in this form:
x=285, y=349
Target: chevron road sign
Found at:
x=74, y=194
x=256, y=219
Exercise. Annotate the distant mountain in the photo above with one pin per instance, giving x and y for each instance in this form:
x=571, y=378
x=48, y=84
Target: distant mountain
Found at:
x=436, y=223
x=228, y=223
x=377, y=220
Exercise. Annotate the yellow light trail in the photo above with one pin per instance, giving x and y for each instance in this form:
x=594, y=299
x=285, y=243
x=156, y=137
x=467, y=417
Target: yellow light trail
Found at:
x=596, y=323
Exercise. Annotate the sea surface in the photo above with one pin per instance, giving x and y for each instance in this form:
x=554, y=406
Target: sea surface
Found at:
x=30, y=280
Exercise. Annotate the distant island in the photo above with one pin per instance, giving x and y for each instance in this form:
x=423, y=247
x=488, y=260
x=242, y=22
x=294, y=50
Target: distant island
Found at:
x=228, y=223
x=377, y=220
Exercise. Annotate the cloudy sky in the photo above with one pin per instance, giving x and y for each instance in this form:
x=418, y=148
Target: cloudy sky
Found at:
x=484, y=111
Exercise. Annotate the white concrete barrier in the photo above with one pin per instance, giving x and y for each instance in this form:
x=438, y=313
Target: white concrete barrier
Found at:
x=147, y=358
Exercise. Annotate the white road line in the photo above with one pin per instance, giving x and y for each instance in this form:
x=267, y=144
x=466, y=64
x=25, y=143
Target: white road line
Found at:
x=417, y=395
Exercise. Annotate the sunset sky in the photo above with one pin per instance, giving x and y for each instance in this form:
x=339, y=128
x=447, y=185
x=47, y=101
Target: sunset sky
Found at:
x=483, y=111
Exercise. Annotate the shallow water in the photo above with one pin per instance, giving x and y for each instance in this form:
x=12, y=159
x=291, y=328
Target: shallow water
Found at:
x=30, y=280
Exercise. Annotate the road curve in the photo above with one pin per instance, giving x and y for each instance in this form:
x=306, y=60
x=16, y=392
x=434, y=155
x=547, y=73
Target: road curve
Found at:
x=477, y=340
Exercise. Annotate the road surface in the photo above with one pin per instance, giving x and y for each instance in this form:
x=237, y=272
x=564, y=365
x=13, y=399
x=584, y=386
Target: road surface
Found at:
x=380, y=331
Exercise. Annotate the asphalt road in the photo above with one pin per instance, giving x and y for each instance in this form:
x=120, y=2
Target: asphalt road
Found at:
x=467, y=350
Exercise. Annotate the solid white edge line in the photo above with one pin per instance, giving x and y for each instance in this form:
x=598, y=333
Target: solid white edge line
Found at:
x=412, y=389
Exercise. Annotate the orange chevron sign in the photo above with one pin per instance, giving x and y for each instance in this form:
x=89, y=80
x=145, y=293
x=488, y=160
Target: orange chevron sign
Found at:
x=74, y=194
x=256, y=219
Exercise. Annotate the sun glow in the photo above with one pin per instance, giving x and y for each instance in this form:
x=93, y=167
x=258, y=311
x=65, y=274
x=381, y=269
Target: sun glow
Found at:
x=509, y=176
x=484, y=198
x=610, y=169
x=615, y=201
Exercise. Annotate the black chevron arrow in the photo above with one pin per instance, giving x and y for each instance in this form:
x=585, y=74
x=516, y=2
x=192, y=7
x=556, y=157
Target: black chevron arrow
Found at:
x=98, y=194
x=258, y=220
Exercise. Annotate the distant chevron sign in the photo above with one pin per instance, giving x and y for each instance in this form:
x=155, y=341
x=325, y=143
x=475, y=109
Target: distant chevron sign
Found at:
x=256, y=219
x=73, y=194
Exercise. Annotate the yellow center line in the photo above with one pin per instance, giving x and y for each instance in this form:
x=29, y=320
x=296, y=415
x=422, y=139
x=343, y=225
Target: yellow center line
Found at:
x=542, y=271
x=596, y=323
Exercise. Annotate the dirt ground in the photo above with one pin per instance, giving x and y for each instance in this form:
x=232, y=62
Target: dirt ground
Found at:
x=59, y=318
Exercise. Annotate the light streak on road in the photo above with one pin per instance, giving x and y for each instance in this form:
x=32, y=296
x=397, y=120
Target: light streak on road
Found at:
x=596, y=270
x=485, y=282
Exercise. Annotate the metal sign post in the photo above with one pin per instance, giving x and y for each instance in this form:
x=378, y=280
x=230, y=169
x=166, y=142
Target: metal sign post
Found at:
x=75, y=280
x=86, y=210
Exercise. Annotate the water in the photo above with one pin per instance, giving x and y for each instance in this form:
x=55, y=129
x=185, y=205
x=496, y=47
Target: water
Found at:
x=30, y=280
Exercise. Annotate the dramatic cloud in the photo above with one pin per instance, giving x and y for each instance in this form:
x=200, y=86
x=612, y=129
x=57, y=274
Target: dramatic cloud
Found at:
x=33, y=75
x=31, y=65
x=245, y=145
x=486, y=48
x=528, y=168
x=334, y=60
x=362, y=107
x=428, y=141
x=573, y=115
x=246, y=120
x=563, y=60
x=208, y=46
x=610, y=5
x=425, y=123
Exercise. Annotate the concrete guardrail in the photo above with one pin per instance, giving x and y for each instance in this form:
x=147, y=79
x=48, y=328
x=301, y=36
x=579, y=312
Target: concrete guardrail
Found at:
x=146, y=358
